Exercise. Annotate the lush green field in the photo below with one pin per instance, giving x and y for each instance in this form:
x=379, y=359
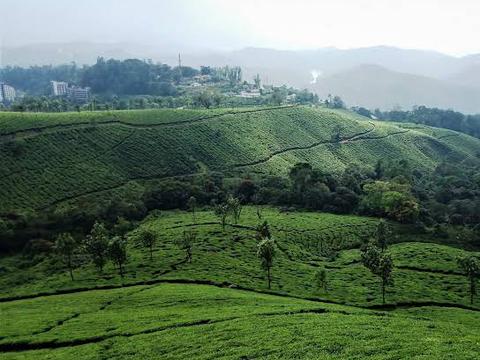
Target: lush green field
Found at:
x=219, y=306
x=50, y=158
x=174, y=321
x=424, y=271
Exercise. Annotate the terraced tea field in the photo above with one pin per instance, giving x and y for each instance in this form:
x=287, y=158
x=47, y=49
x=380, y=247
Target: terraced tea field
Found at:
x=218, y=306
x=50, y=158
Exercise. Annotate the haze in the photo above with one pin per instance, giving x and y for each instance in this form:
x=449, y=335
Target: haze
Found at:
x=446, y=26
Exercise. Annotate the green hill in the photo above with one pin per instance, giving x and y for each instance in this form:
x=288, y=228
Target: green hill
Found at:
x=218, y=306
x=50, y=158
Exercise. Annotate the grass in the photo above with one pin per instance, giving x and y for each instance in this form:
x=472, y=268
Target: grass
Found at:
x=219, y=306
x=172, y=321
x=51, y=158
x=424, y=271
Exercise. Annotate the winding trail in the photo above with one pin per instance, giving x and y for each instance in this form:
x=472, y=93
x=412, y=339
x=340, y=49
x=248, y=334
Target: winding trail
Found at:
x=306, y=147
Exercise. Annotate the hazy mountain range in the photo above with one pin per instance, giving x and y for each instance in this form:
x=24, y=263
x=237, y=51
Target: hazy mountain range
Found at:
x=382, y=77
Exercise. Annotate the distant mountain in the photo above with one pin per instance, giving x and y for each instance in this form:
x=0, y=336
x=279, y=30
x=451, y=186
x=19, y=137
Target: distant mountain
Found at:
x=393, y=76
x=62, y=53
x=374, y=86
x=470, y=76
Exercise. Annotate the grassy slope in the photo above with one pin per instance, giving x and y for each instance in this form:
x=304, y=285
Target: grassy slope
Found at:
x=178, y=320
x=53, y=157
x=172, y=321
x=424, y=271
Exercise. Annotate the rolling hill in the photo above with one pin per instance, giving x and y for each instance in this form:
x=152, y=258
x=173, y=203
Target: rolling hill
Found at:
x=51, y=158
x=218, y=306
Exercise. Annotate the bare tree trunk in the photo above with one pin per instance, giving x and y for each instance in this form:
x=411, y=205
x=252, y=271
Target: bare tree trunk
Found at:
x=269, y=278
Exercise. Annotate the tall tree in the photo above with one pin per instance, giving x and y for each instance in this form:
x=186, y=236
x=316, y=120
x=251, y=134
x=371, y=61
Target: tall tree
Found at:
x=266, y=253
x=470, y=266
x=380, y=264
x=235, y=208
x=192, y=206
x=117, y=251
x=65, y=245
x=222, y=211
x=147, y=239
x=382, y=234
x=263, y=231
x=96, y=245
x=186, y=243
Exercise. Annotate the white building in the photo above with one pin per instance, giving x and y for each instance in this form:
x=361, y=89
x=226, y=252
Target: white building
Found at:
x=78, y=94
x=7, y=93
x=60, y=88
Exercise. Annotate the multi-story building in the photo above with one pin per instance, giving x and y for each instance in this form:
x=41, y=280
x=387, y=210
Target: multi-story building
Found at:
x=7, y=93
x=59, y=88
x=79, y=94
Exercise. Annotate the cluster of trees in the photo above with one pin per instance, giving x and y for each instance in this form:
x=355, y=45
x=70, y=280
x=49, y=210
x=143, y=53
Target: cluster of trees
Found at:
x=108, y=241
x=448, y=119
x=101, y=245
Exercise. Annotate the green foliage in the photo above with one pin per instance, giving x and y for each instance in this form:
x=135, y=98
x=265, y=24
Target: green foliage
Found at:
x=96, y=245
x=192, y=206
x=320, y=279
x=222, y=211
x=66, y=246
x=379, y=263
x=390, y=199
x=186, y=243
x=147, y=239
x=234, y=208
x=175, y=143
x=383, y=232
x=266, y=253
x=117, y=252
x=470, y=266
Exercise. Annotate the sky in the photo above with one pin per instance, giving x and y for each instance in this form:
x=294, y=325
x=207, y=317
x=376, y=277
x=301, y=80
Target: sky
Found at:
x=448, y=26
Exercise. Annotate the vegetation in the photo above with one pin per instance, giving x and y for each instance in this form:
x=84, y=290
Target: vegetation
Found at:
x=471, y=267
x=319, y=198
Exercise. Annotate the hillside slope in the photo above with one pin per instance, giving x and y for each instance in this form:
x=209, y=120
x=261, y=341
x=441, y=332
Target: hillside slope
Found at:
x=50, y=158
x=218, y=305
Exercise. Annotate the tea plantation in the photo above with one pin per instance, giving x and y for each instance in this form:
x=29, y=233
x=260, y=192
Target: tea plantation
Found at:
x=50, y=158
x=218, y=306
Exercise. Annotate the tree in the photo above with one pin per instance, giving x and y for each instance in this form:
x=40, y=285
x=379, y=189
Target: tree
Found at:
x=117, y=252
x=391, y=199
x=96, y=245
x=380, y=264
x=320, y=279
x=192, y=206
x=382, y=234
x=65, y=245
x=186, y=243
x=147, y=239
x=470, y=265
x=235, y=208
x=203, y=98
x=222, y=211
x=279, y=96
x=266, y=253
x=263, y=231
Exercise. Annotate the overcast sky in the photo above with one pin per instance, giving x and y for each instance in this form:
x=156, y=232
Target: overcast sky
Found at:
x=450, y=26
